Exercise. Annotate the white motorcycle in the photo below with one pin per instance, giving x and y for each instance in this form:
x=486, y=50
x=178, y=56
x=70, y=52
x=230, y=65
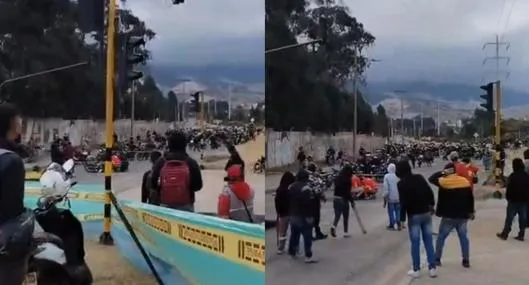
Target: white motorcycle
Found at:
x=58, y=256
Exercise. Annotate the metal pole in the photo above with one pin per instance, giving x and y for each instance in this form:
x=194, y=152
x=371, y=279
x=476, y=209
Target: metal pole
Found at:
x=47, y=71
x=402, y=120
x=229, y=102
x=497, y=121
x=106, y=237
x=292, y=46
x=132, y=107
x=422, y=121
x=438, y=121
x=355, y=102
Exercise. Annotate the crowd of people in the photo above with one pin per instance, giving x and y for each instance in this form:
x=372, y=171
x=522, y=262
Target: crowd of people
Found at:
x=175, y=177
x=408, y=198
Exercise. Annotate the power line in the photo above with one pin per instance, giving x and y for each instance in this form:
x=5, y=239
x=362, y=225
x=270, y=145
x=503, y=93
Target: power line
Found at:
x=508, y=20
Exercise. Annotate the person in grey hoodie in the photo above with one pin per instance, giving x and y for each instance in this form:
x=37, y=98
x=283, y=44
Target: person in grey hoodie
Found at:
x=391, y=198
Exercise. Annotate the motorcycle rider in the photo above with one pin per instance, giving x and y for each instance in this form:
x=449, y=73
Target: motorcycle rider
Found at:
x=16, y=223
x=320, y=195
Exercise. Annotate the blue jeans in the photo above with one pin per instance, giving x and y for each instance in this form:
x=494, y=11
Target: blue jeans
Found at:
x=445, y=228
x=421, y=225
x=393, y=214
x=300, y=227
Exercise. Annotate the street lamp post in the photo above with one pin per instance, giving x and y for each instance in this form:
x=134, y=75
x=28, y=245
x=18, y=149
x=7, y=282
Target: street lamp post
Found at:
x=47, y=71
x=355, y=97
x=401, y=114
x=293, y=46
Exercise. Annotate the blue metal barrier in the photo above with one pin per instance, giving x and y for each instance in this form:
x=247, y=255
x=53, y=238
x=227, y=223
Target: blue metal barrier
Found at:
x=187, y=248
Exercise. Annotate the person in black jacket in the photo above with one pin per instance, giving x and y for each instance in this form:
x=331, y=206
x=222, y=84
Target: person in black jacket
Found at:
x=146, y=186
x=12, y=178
x=455, y=206
x=302, y=200
x=342, y=198
x=282, y=204
x=417, y=203
x=177, y=143
x=517, y=195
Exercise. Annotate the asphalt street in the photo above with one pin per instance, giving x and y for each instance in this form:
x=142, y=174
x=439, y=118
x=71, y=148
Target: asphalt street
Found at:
x=357, y=260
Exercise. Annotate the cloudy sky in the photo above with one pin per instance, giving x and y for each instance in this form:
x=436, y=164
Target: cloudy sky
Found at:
x=442, y=40
x=204, y=32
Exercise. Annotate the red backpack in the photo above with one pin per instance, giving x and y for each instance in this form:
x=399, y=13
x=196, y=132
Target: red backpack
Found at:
x=174, y=183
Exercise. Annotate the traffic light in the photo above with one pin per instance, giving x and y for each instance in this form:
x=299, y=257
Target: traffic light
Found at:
x=135, y=56
x=196, y=101
x=176, y=2
x=488, y=97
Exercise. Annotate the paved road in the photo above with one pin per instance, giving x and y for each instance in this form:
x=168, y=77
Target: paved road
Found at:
x=357, y=260
x=127, y=185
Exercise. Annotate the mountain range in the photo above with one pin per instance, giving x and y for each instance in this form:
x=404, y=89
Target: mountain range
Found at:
x=246, y=82
x=454, y=101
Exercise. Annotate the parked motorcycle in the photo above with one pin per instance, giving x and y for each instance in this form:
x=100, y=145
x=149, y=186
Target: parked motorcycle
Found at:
x=58, y=257
x=259, y=166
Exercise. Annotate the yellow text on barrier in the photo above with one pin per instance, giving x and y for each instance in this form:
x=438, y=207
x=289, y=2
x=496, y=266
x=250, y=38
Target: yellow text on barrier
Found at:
x=247, y=251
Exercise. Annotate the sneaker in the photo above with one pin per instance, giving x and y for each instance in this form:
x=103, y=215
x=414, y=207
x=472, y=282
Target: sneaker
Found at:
x=333, y=231
x=466, y=263
x=414, y=274
x=438, y=262
x=501, y=236
x=346, y=235
x=310, y=260
x=390, y=228
x=280, y=252
x=432, y=273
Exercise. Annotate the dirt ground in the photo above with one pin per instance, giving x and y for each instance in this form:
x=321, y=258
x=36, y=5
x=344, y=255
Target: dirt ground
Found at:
x=110, y=268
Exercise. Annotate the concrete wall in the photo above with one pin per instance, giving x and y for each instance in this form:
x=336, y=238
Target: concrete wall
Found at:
x=282, y=147
x=93, y=131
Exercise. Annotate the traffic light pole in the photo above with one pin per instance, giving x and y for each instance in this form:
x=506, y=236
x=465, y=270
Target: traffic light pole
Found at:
x=132, y=107
x=497, y=137
x=497, y=114
x=106, y=237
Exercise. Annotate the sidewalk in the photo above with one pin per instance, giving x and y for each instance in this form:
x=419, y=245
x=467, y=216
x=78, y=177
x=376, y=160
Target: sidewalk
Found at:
x=493, y=261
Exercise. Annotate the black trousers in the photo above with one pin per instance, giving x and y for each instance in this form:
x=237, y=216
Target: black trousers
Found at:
x=317, y=217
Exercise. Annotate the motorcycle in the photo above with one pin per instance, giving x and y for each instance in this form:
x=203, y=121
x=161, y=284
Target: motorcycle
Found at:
x=58, y=257
x=259, y=166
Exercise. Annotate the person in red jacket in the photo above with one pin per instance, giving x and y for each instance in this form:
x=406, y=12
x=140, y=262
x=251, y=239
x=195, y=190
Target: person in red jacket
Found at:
x=236, y=199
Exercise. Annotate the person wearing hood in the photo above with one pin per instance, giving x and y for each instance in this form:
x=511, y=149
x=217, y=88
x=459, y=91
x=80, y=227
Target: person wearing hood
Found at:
x=282, y=204
x=517, y=195
x=302, y=201
x=175, y=176
x=417, y=202
x=342, y=198
x=526, y=160
x=391, y=197
x=455, y=206
x=236, y=198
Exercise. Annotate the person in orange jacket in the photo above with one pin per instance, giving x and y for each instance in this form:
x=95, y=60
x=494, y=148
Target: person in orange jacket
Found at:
x=363, y=187
x=236, y=198
x=472, y=171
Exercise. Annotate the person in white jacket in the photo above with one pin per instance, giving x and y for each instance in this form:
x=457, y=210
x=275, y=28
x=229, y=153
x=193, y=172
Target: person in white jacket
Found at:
x=391, y=198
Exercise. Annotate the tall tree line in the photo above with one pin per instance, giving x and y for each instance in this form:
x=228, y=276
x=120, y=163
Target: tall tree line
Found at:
x=45, y=34
x=307, y=88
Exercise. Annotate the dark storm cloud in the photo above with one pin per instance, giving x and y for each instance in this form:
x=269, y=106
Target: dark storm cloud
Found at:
x=204, y=31
x=442, y=40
